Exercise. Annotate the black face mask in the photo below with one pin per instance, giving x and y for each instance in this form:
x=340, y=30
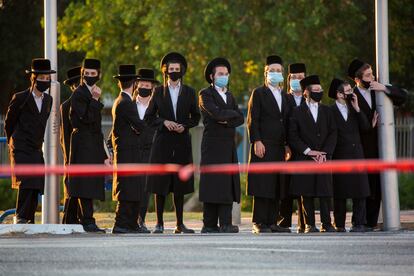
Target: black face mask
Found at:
x=91, y=80
x=365, y=84
x=144, y=92
x=316, y=96
x=174, y=76
x=42, y=86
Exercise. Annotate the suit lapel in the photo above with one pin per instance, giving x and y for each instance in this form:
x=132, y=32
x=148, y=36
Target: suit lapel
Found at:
x=218, y=98
x=272, y=99
x=168, y=101
x=32, y=104
x=180, y=100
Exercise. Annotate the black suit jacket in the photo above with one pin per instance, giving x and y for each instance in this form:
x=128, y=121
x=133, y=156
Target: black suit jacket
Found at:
x=291, y=100
x=25, y=129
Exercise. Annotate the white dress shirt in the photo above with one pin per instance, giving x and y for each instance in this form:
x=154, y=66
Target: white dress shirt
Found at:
x=222, y=92
x=174, y=92
x=343, y=108
x=38, y=100
x=142, y=108
x=298, y=99
x=313, y=107
x=366, y=93
x=277, y=93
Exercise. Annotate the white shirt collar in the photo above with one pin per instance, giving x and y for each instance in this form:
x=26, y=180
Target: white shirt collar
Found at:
x=312, y=104
x=275, y=89
x=170, y=86
x=221, y=90
x=38, y=97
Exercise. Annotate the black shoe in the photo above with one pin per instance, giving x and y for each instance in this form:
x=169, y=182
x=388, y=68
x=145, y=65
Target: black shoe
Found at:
x=229, y=229
x=327, y=228
x=93, y=228
x=22, y=221
x=159, y=229
x=311, y=229
x=206, y=230
x=340, y=229
x=259, y=228
x=121, y=230
x=279, y=229
x=358, y=229
x=300, y=230
x=183, y=229
x=142, y=228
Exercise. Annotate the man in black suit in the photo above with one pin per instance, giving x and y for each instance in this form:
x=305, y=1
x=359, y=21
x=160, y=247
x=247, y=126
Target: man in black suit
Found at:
x=312, y=136
x=87, y=143
x=25, y=125
x=73, y=79
x=173, y=110
x=221, y=116
x=126, y=129
x=296, y=73
x=267, y=121
x=146, y=83
x=349, y=121
x=366, y=89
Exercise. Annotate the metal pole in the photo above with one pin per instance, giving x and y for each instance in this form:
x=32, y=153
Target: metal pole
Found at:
x=50, y=200
x=386, y=127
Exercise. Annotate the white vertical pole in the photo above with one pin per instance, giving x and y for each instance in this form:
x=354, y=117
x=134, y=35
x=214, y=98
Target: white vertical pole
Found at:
x=50, y=200
x=386, y=127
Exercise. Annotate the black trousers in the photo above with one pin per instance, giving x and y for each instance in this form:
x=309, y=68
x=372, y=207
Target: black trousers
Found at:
x=178, y=205
x=126, y=214
x=72, y=212
x=358, y=212
x=265, y=210
x=308, y=205
x=27, y=200
x=373, y=202
x=213, y=213
x=143, y=208
x=286, y=209
x=85, y=210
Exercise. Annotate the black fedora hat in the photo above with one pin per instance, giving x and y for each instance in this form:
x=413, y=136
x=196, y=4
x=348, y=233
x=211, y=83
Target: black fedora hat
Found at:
x=91, y=63
x=297, y=68
x=312, y=79
x=335, y=83
x=219, y=61
x=73, y=76
x=274, y=59
x=354, y=66
x=126, y=72
x=40, y=66
x=146, y=74
x=174, y=57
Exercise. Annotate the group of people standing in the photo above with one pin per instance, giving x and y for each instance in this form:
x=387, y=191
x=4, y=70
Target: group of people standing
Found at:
x=151, y=123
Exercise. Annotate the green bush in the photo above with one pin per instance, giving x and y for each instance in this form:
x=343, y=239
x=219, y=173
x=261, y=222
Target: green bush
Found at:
x=7, y=195
x=406, y=189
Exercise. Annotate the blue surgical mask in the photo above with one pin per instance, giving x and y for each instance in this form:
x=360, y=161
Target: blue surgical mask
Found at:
x=274, y=78
x=221, y=81
x=295, y=85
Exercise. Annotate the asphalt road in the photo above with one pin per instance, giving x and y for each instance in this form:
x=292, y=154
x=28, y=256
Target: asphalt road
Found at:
x=378, y=253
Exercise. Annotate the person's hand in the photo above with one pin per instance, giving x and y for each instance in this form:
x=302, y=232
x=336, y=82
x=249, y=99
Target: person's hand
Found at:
x=108, y=161
x=180, y=129
x=354, y=102
x=170, y=125
x=96, y=92
x=259, y=149
x=317, y=156
x=375, y=119
x=377, y=86
x=222, y=122
x=288, y=153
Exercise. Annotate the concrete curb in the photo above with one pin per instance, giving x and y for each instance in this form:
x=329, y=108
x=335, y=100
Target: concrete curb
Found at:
x=31, y=229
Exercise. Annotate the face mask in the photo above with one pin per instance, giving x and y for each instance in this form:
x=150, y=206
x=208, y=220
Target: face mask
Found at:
x=316, y=96
x=174, y=76
x=91, y=80
x=42, y=86
x=221, y=81
x=274, y=78
x=295, y=85
x=365, y=84
x=144, y=92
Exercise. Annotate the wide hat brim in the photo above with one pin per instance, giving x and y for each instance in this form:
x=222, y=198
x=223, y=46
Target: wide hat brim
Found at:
x=174, y=57
x=213, y=64
x=40, y=71
x=125, y=77
x=72, y=80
